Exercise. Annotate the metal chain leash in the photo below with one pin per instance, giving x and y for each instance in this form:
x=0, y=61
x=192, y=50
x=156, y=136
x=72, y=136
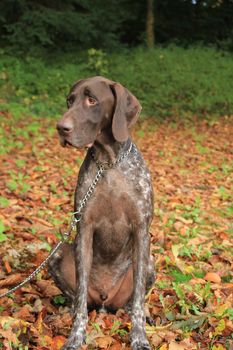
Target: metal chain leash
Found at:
x=74, y=220
x=88, y=194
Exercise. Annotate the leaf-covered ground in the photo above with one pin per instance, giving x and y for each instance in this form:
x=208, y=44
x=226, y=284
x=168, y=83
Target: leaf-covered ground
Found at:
x=191, y=303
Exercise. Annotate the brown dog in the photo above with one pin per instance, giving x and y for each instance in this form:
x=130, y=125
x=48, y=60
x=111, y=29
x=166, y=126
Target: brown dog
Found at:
x=109, y=264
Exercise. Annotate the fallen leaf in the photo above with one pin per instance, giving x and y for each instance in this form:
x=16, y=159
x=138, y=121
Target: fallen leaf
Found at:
x=185, y=221
x=7, y=266
x=176, y=346
x=41, y=221
x=212, y=277
x=163, y=347
x=104, y=342
x=58, y=342
x=156, y=340
x=220, y=327
x=25, y=313
x=9, y=335
x=11, y=280
x=116, y=346
x=48, y=288
x=218, y=347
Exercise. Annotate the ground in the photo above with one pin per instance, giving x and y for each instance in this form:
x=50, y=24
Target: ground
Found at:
x=191, y=302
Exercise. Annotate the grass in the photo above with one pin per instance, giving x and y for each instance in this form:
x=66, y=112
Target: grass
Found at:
x=169, y=82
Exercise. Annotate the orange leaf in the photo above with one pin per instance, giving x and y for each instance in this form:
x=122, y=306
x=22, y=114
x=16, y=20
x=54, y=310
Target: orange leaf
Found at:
x=116, y=346
x=58, y=342
x=212, y=277
x=7, y=266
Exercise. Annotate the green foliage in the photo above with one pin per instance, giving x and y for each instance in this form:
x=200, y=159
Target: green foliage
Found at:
x=97, y=62
x=59, y=300
x=28, y=25
x=229, y=312
x=180, y=277
x=4, y=202
x=175, y=80
x=167, y=81
x=3, y=236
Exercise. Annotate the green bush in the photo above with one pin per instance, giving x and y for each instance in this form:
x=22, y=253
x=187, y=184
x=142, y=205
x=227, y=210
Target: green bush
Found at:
x=170, y=81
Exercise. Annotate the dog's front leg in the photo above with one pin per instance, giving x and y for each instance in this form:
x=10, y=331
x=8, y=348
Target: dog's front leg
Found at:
x=83, y=261
x=140, y=261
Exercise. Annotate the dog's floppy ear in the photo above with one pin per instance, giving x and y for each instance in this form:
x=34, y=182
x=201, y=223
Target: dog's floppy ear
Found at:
x=127, y=109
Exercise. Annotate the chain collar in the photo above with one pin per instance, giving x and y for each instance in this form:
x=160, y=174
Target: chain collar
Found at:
x=108, y=165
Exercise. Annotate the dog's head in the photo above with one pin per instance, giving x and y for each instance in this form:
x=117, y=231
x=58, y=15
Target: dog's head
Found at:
x=95, y=105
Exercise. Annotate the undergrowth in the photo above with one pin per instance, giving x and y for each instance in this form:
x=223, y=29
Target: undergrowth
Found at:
x=170, y=81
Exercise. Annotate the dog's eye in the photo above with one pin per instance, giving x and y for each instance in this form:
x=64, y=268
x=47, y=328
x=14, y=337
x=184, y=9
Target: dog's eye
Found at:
x=70, y=101
x=91, y=101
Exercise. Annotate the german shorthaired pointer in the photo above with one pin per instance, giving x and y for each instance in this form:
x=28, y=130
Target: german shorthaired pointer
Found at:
x=109, y=264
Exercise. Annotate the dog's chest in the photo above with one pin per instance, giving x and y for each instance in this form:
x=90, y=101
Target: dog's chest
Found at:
x=110, y=213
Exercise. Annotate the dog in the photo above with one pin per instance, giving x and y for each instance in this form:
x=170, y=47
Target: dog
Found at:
x=109, y=264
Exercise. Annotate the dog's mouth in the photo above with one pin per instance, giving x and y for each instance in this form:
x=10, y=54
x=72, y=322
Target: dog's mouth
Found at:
x=66, y=143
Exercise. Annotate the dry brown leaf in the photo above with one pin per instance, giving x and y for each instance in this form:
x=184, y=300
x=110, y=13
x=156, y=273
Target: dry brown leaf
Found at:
x=197, y=280
x=48, y=288
x=176, y=346
x=9, y=335
x=156, y=340
x=25, y=313
x=116, y=346
x=38, y=306
x=61, y=323
x=25, y=235
x=183, y=220
x=104, y=342
x=178, y=225
x=11, y=280
x=41, y=221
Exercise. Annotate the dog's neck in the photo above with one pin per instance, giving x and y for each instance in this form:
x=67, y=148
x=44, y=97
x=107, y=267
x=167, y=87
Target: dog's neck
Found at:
x=107, y=149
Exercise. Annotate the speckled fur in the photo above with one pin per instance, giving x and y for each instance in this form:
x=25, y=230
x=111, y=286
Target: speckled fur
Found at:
x=109, y=264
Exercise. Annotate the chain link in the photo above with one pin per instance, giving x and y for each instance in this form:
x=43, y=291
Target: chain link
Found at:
x=76, y=217
x=88, y=194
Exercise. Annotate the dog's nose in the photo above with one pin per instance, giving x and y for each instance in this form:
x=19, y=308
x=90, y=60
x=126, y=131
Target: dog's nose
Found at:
x=64, y=127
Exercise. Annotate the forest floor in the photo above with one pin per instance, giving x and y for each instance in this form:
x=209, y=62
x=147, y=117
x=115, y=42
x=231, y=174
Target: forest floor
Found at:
x=191, y=302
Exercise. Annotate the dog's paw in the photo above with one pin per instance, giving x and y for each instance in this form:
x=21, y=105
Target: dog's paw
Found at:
x=139, y=340
x=140, y=345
